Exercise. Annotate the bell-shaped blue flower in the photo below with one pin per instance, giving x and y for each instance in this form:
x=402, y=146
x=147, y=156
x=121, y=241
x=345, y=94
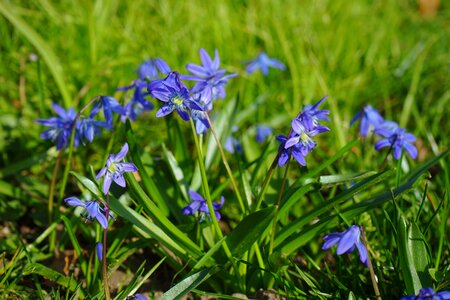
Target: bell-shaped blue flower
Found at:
x=347, y=241
x=93, y=210
x=369, y=116
x=397, y=138
x=61, y=127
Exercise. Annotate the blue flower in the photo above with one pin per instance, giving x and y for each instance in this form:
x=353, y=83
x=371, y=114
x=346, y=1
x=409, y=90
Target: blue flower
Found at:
x=176, y=96
x=210, y=79
x=93, y=210
x=200, y=117
x=299, y=142
x=150, y=69
x=199, y=205
x=428, y=294
x=262, y=132
x=136, y=297
x=61, y=127
x=263, y=62
x=302, y=135
x=311, y=115
x=109, y=105
x=369, y=117
x=347, y=241
x=114, y=169
x=285, y=153
x=99, y=250
x=232, y=145
x=397, y=138
x=89, y=128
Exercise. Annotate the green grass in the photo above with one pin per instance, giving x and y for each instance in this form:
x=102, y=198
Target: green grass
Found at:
x=381, y=53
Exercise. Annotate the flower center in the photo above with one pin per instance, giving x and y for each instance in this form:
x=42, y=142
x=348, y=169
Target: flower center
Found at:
x=177, y=100
x=304, y=137
x=112, y=168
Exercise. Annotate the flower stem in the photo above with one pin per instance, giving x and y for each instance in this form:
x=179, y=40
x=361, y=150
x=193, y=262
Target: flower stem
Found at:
x=50, y=198
x=227, y=166
x=104, y=262
x=372, y=273
x=280, y=195
x=216, y=227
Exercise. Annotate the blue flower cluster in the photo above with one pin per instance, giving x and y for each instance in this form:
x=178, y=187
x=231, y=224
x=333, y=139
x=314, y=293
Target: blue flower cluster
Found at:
x=61, y=127
x=155, y=79
x=392, y=135
x=299, y=141
x=112, y=171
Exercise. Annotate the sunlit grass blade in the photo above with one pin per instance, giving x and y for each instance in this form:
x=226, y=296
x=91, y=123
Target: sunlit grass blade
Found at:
x=186, y=285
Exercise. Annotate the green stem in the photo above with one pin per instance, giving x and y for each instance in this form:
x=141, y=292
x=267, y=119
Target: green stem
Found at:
x=266, y=181
x=50, y=199
x=104, y=262
x=205, y=185
x=372, y=273
x=227, y=166
x=280, y=196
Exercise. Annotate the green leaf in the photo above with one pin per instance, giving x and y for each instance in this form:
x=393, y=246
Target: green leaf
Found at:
x=146, y=227
x=296, y=225
x=89, y=184
x=148, y=183
x=249, y=231
x=410, y=276
x=158, y=217
x=418, y=249
x=52, y=275
x=186, y=285
x=288, y=242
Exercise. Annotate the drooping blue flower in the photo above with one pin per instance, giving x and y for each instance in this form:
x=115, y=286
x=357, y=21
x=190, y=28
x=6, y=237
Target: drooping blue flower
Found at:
x=199, y=205
x=262, y=133
x=61, y=127
x=347, y=241
x=136, y=106
x=397, y=138
x=93, y=210
x=263, y=62
x=369, y=116
x=109, y=105
x=428, y=294
x=200, y=117
x=311, y=115
x=176, y=96
x=89, y=128
x=99, y=250
x=210, y=79
x=114, y=169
